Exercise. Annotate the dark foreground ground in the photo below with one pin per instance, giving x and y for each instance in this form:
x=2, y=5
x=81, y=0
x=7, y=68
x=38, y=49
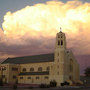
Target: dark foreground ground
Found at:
x=57, y=88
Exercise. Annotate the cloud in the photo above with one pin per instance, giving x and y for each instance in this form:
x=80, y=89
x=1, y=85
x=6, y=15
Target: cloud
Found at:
x=32, y=30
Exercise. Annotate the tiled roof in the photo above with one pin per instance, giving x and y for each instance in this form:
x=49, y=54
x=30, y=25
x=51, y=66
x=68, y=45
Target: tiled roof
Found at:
x=30, y=59
x=34, y=73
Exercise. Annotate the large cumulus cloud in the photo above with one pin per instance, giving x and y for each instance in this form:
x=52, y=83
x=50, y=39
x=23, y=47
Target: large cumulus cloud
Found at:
x=32, y=30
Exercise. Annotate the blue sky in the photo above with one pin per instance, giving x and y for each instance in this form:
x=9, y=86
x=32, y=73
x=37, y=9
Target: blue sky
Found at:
x=14, y=5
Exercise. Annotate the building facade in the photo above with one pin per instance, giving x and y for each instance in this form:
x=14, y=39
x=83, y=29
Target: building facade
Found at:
x=60, y=66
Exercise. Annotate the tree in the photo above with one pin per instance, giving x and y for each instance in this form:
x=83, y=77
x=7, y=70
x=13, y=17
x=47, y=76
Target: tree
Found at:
x=87, y=71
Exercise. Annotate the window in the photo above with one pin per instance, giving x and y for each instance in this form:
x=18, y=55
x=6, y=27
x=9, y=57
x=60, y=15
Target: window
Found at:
x=48, y=68
x=61, y=42
x=70, y=77
x=14, y=77
x=46, y=77
x=4, y=68
x=29, y=77
x=71, y=65
x=21, y=77
x=24, y=69
x=40, y=69
x=58, y=42
x=37, y=77
x=58, y=73
x=3, y=76
x=14, y=69
x=61, y=36
x=31, y=69
x=67, y=51
x=70, y=68
x=58, y=66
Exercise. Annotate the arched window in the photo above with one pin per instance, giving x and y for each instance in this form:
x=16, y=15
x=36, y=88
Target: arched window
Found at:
x=61, y=42
x=31, y=69
x=24, y=69
x=71, y=65
x=40, y=69
x=58, y=42
x=71, y=77
x=48, y=68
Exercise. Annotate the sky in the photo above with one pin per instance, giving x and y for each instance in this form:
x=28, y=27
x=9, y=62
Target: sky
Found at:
x=29, y=27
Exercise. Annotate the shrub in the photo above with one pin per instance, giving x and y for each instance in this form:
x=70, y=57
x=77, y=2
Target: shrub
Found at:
x=14, y=86
x=66, y=83
x=53, y=83
x=30, y=87
x=62, y=84
x=44, y=86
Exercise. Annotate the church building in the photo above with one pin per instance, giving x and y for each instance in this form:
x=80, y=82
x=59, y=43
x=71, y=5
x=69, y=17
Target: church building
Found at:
x=60, y=66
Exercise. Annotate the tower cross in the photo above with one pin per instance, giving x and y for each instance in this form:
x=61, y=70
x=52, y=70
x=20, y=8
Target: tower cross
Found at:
x=60, y=29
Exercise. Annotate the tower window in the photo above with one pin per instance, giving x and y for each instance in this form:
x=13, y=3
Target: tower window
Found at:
x=58, y=42
x=61, y=42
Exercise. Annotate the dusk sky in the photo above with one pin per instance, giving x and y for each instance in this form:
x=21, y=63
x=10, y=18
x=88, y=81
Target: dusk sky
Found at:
x=29, y=27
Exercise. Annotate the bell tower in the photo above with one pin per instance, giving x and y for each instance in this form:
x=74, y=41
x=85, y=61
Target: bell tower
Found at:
x=60, y=57
x=60, y=40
